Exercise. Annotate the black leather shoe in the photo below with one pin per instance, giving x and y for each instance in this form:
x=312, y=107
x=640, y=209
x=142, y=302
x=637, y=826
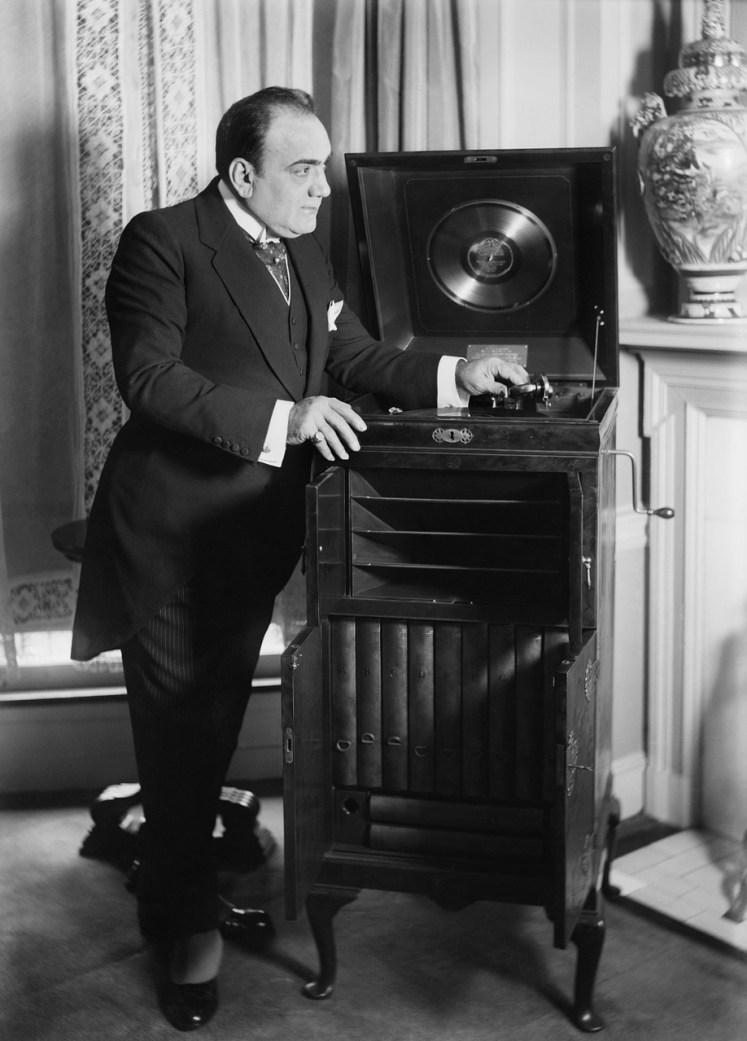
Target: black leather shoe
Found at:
x=189, y=1006
x=249, y=927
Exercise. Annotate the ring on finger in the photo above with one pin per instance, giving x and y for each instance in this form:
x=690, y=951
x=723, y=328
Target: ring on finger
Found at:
x=317, y=438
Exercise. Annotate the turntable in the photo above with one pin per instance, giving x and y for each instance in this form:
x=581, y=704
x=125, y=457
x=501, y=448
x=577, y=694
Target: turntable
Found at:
x=447, y=709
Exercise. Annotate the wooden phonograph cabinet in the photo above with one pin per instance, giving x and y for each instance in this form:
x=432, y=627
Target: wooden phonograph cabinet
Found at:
x=446, y=710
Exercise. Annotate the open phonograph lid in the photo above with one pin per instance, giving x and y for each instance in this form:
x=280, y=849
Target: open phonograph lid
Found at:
x=510, y=252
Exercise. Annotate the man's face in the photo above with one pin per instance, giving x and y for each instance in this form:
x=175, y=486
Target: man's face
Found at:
x=288, y=192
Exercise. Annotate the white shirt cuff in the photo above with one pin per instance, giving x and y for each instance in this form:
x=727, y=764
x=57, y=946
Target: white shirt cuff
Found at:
x=273, y=451
x=449, y=394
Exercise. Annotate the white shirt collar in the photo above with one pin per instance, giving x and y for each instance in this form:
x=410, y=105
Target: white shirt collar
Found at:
x=243, y=218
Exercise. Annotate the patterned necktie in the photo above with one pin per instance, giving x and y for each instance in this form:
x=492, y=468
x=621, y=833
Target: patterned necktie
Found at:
x=274, y=257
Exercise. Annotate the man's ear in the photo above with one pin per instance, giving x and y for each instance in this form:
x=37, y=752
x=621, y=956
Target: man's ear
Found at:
x=241, y=177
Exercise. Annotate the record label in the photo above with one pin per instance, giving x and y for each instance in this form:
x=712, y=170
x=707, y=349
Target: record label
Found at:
x=492, y=255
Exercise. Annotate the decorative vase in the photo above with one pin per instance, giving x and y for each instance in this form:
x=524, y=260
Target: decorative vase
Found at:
x=692, y=169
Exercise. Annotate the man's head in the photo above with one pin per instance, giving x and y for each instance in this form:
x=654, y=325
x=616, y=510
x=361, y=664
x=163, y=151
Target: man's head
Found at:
x=272, y=150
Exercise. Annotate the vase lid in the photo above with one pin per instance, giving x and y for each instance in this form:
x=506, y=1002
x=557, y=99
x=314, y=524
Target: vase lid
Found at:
x=714, y=62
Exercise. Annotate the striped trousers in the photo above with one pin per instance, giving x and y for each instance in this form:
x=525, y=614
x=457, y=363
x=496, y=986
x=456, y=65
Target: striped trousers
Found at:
x=188, y=673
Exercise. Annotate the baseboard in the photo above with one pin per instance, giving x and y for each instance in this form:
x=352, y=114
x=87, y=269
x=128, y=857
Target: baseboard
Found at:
x=669, y=798
x=629, y=783
x=85, y=744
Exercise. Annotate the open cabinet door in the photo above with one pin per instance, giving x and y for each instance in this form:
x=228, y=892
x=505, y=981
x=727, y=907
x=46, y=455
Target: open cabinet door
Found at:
x=326, y=542
x=576, y=845
x=306, y=788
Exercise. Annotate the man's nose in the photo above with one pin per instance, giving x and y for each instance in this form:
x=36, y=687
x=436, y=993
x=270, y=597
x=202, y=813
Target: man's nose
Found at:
x=320, y=185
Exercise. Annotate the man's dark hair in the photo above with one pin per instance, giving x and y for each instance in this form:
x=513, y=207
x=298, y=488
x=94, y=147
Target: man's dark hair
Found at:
x=242, y=130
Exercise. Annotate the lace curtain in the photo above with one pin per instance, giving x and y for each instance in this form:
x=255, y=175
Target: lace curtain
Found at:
x=110, y=107
x=41, y=401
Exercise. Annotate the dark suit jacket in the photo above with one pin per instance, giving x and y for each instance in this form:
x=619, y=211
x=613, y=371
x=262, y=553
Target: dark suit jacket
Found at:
x=201, y=356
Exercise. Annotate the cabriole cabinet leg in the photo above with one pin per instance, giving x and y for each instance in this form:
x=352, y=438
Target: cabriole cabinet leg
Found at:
x=588, y=936
x=322, y=905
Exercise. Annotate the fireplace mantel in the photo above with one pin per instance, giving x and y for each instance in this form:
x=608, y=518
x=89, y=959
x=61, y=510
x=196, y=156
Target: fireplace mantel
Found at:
x=692, y=413
x=662, y=335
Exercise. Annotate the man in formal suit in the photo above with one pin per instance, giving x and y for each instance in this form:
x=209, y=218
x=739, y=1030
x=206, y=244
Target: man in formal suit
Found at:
x=225, y=317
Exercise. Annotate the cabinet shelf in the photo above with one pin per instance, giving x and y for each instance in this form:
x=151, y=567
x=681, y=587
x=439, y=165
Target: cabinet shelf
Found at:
x=460, y=550
x=447, y=584
x=465, y=515
x=410, y=602
x=458, y=569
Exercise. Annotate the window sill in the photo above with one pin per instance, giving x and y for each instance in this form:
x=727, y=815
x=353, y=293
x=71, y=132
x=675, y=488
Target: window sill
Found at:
x=78, y=695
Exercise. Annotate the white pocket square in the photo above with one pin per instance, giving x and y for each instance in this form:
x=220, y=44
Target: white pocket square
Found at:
x=333, y=313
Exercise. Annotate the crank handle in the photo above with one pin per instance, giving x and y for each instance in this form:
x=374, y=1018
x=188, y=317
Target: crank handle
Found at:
x=665, y=512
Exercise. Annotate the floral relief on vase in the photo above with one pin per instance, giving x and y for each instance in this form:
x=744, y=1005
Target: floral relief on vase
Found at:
x=692, y=169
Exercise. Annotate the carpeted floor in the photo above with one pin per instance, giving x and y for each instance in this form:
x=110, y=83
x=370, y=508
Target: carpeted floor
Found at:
x=74, y=968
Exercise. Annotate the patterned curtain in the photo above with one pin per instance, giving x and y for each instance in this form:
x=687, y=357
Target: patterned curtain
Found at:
x=40, y=398
x=118, y=117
